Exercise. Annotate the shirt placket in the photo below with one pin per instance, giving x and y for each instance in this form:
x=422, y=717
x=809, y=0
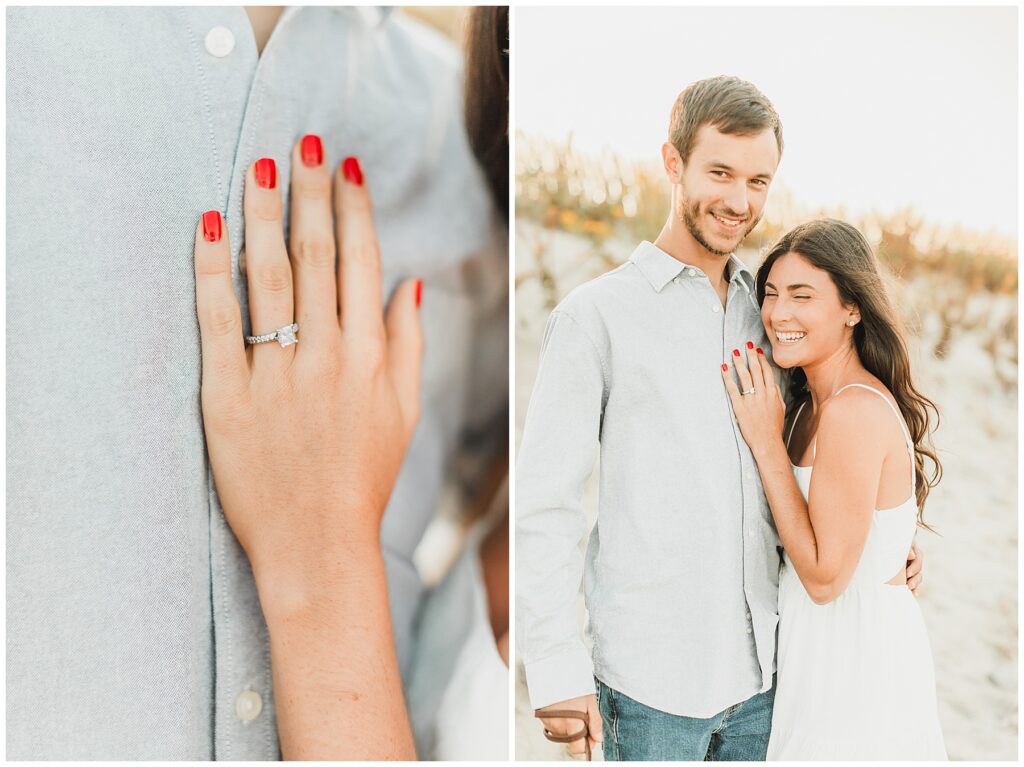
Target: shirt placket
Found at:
x=244, y=725
x=735, y=330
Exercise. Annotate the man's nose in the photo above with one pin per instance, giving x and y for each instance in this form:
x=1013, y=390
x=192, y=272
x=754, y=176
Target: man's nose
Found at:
x=736, y=200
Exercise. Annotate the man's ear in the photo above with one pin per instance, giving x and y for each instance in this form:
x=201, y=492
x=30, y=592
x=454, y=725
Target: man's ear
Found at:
x=672, y=163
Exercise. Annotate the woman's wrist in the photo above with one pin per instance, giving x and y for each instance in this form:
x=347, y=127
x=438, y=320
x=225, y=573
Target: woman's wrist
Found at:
x=296, y=583
x=769, y=451
x=333, y=659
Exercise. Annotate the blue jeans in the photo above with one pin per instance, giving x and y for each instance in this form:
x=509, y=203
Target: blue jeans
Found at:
x=635, y=732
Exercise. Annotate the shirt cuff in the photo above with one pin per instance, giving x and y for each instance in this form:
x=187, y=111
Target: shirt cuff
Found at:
x=560, y=678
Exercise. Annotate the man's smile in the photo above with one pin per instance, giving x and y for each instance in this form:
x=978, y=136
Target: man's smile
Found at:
x=728, y=224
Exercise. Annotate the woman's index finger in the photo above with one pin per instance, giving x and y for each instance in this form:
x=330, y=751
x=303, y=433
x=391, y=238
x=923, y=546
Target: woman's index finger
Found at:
x=220, y=320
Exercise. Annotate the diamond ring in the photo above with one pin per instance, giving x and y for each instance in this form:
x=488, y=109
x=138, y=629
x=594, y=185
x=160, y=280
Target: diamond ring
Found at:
x=284, y=336
x=749, y=391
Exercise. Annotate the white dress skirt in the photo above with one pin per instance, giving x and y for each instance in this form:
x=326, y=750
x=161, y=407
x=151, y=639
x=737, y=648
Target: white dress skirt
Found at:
x=856, y=680
x=457, y=689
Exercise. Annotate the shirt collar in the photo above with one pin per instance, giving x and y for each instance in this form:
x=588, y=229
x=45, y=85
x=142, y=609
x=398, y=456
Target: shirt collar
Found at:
x=660, y=268
x=371, y=16
x=739, y=271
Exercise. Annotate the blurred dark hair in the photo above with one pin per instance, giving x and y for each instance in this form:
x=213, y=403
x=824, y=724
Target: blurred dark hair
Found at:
x=487, y=95
x=839, y=249
x=729, y=104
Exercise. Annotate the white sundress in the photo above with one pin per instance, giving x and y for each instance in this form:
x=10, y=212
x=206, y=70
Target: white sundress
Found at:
x=856, y=679
x=457, y=689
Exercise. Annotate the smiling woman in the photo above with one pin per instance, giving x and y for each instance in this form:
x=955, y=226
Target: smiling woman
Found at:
x=855, y=672
x=821, y=288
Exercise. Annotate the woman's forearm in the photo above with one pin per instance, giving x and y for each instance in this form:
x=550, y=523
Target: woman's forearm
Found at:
x=337, y=687
x=792, y=519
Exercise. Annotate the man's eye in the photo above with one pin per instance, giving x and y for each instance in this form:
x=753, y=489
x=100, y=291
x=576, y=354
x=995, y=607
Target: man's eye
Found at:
x=718, y=173
x=801, y=296
x=771, y=295
x=760, y=182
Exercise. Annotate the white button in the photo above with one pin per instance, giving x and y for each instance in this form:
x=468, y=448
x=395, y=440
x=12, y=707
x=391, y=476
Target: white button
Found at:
x=676, y=280
x=748, y=475
x=750, y=630
x=220, y=42
x=748, y=616
x=691, y=272
x=248, y=705
x=716, y=308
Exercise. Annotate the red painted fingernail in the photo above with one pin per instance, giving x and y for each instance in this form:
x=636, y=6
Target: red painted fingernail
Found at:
x=353, y=173
x=760, y=350
x=750, y=344
x=419, y=291
x=312, y=151
x=211, y=226
x=266, y=173
x=736, y=352
x=724, y=366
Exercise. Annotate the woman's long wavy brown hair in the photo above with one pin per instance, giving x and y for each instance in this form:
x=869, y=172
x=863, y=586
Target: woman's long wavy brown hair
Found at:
x=839, y=249
x=487, y=95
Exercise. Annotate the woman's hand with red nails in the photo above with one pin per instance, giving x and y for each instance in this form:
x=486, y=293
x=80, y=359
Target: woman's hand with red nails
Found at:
x=756, y=402
x=306, y=440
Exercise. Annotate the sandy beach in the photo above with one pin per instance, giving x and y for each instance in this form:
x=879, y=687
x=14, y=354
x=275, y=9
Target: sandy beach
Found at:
x=969, y=596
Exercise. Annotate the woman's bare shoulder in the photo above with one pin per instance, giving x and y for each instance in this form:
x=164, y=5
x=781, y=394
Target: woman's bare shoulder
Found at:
x=856, y=413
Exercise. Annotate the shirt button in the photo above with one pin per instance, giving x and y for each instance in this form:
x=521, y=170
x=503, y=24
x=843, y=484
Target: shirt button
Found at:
x=248, y=705
x=220, y=42
x=748, y=617
x=748, y=475
x=716, y=308
x=691, y=272
x=750, y=630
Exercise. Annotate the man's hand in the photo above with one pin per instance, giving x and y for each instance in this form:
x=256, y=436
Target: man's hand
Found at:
x=560, y=726
x=915, y=563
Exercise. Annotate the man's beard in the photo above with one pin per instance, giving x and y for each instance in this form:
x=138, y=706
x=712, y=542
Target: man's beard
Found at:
x=689, y=217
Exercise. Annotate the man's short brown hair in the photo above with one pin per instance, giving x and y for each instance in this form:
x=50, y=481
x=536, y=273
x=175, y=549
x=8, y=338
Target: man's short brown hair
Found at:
x=729, y=104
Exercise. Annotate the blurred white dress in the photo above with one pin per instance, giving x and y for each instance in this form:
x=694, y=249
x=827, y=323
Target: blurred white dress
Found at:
x=458, y=686
x=856, y=679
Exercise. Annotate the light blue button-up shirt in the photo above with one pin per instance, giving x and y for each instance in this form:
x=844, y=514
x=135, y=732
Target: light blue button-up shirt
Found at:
x=681, y=569
x=134, y=630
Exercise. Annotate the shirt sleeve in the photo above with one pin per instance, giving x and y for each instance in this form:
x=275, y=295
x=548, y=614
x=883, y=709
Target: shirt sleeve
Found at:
x=556, y=457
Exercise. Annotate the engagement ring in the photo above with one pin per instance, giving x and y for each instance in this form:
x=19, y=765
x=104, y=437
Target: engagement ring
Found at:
x=749, y=391
x=284, y=336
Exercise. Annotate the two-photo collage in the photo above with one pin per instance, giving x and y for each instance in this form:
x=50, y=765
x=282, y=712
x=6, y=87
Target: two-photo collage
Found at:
x=446, y=383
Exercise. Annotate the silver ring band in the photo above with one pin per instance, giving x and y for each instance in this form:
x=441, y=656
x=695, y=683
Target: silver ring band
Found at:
x=749, y=391
x=284, y=336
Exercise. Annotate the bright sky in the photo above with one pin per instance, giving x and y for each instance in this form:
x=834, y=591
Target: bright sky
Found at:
x=881, y=107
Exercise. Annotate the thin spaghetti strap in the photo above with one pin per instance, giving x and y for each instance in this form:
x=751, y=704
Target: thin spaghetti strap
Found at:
x=903, y=428
x=792, y=426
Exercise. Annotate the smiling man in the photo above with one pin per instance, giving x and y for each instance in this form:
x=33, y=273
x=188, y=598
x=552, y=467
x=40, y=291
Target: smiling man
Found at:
x=682, y=567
